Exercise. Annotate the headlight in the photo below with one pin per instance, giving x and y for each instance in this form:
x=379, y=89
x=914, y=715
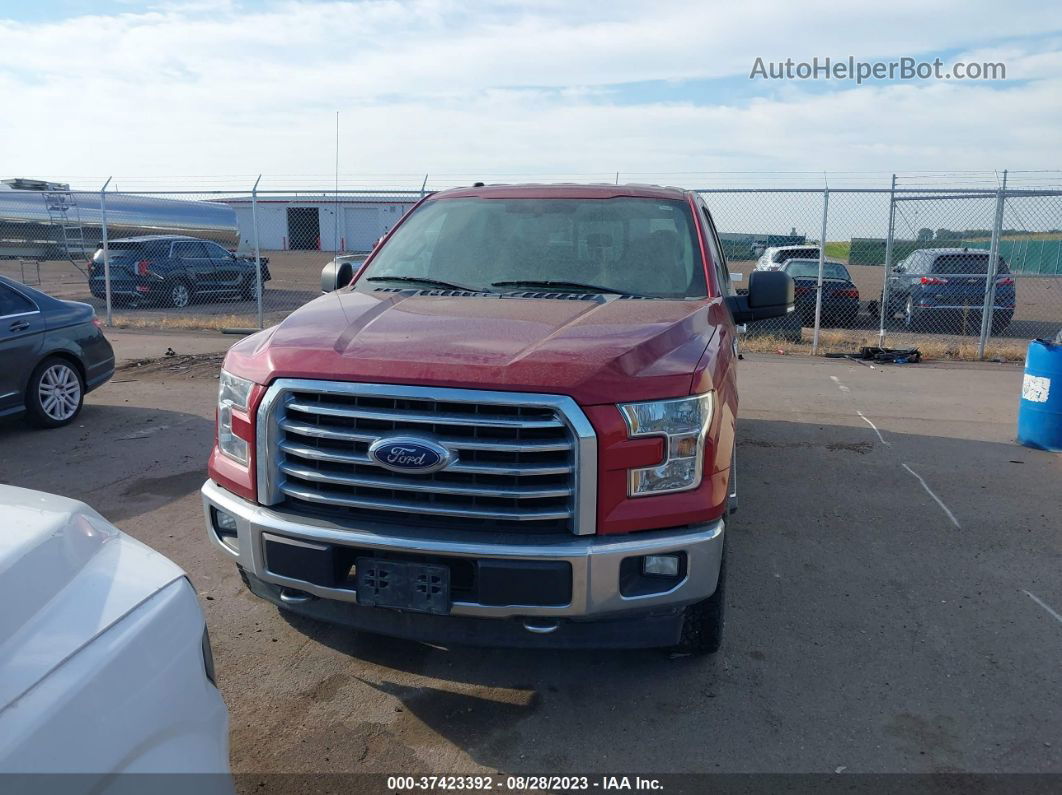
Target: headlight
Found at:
x=233, y=393
x=683, y=423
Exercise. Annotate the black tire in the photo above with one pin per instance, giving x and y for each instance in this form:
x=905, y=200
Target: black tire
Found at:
x=179, y=294
x=702, y=627
x=62, y=379
x=1000, y=323
x=891, y=321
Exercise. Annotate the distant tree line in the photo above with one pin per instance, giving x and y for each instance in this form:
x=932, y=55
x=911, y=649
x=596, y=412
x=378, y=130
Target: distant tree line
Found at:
x=925, y=234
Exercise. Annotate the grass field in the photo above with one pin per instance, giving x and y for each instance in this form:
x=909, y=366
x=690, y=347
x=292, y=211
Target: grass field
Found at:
x=839, y=249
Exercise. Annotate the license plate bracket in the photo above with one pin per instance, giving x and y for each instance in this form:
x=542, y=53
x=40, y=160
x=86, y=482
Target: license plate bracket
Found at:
x=420, y=588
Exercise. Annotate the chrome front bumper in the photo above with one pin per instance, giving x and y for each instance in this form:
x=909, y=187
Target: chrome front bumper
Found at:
x=595, y=561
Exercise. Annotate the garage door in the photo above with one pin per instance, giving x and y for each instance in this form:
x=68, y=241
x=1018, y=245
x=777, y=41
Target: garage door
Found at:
x=361, y=227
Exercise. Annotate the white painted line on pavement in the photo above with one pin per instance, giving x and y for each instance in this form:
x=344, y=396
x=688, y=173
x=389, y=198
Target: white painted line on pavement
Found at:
x=840, y=386
x=939, y=501
x=1045, y=606
x=875, y=427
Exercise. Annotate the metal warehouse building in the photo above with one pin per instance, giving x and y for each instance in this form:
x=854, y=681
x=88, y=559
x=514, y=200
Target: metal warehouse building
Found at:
x=310, y=222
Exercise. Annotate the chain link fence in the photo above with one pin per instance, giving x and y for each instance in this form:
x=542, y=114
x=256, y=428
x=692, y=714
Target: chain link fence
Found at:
x=971, y=273
x=188, y=259
x=942, y=269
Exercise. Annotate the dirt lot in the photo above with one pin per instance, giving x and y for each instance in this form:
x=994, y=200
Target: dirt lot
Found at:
x=296, y=280
x=893, y=568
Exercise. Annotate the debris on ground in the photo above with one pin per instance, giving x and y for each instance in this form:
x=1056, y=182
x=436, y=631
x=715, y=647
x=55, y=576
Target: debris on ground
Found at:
x=877, y=354
x=192, y=364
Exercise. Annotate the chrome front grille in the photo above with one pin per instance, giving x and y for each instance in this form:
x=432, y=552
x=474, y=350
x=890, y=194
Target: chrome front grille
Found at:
x=524, y=463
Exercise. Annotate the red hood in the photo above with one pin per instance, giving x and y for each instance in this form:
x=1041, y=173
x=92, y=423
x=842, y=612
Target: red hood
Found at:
x=595, y=352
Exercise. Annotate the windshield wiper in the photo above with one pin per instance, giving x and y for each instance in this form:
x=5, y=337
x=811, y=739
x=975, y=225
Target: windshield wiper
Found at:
x=560, y=285
x=425, y=280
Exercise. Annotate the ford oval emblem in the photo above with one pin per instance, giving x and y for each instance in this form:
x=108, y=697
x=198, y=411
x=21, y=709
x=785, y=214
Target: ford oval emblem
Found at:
x=409, y=454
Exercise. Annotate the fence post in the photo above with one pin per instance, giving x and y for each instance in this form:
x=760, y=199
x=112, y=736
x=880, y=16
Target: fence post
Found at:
x=988, y=309
x=888, y=265
x=106, y=249
x=257, y=251
x=822, y=264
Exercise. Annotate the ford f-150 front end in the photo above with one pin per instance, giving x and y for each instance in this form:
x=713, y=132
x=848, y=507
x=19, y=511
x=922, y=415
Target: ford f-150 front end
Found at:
x=515, y=427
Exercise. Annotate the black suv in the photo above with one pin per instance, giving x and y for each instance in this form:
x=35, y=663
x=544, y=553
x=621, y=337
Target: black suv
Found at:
x=171, y=270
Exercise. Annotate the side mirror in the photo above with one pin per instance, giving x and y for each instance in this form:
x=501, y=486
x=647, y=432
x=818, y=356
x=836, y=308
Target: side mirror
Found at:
x=771, y=294
x=335, y=275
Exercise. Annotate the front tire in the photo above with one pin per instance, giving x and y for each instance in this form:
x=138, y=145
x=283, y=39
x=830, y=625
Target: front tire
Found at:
x=702, y=627
x=55, y=394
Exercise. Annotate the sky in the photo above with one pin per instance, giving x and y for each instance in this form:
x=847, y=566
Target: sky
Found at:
x=198, y=94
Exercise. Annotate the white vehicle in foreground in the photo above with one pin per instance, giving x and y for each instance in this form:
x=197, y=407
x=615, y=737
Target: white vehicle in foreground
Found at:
x=105, y=664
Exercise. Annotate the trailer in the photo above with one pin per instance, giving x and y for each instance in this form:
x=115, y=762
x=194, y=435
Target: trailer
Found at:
x=48, y=221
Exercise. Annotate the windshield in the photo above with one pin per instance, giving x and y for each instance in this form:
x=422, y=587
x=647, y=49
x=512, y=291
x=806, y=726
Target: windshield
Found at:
x=809, y=269
x=624, y=245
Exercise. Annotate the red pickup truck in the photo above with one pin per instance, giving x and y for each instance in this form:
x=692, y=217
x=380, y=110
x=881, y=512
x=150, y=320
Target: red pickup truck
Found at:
x=513, y=424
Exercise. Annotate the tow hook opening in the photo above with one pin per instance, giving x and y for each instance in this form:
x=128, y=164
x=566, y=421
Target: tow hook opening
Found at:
x=291, y=596
x=541, y=626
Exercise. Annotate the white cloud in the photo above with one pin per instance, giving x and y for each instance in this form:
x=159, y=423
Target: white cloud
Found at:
x=508, y=88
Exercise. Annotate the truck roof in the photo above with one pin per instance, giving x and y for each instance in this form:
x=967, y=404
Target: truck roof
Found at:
x=563, y=191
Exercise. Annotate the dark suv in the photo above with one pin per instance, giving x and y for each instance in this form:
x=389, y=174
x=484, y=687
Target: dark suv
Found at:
x=939, y=288
x=170, y=270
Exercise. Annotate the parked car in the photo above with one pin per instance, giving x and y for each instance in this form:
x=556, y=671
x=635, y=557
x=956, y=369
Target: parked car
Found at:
x=840, y=296
x=105, y=662
x=774, y=256
x=52, y=353
x=173, y=270
x=943, y=289
x=516, y=426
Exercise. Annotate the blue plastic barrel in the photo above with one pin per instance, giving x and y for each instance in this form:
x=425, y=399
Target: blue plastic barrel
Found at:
x=1040, y=412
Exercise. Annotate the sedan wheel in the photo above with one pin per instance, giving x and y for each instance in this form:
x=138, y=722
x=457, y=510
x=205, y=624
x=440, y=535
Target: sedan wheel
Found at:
x=56, y=393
